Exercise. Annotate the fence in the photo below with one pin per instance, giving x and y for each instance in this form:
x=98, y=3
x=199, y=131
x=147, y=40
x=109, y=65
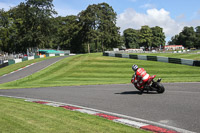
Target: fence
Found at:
x=13, y=61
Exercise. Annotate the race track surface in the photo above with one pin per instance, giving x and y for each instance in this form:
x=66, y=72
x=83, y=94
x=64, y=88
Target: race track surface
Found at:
x=29, y=70
x=178, y=106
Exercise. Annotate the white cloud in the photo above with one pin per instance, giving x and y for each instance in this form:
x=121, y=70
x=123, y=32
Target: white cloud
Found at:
x=153, y=17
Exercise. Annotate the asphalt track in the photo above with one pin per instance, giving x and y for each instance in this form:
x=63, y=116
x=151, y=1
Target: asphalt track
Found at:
x=29, y=70
x=179, y=106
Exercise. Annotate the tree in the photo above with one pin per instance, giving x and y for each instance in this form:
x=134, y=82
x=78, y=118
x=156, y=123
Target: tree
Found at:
x=174, y=40
x=131, y=38
x=146, y=36
x=67, y=34
x=197, y=42
x=158, y=38
x=109, y=32
x=187, y=37
x=4, y=24
x=88, y=19
x=99, y=27
x=33, y=21
x=8, y=32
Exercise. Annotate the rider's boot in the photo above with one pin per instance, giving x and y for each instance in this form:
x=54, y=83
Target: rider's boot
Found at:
x=147, y=88
x=141, y=91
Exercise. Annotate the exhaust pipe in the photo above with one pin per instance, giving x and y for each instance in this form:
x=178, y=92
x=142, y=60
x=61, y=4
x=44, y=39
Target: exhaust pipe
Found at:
x=159, y=80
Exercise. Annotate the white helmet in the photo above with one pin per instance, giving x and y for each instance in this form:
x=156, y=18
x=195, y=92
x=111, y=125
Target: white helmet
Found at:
x=134, y=67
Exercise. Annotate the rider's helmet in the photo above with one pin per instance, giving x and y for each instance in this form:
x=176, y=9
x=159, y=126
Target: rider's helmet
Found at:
x=134, y=67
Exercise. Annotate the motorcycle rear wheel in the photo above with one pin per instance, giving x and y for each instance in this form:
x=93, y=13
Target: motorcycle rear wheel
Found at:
x=160, y=87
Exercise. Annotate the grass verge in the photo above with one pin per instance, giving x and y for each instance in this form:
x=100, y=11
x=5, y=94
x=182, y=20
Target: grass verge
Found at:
x=93, y=69
x=18, y=116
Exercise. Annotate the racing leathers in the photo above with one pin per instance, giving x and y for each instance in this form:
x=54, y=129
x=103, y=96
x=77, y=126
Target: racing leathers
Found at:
x=140, y=78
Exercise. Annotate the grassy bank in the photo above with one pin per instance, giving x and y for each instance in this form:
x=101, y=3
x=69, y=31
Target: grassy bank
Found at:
x=91, y=69
x=18, y=116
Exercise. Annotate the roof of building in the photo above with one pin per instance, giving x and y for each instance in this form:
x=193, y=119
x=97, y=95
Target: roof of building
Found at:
x=173, y=45
x=51, y=51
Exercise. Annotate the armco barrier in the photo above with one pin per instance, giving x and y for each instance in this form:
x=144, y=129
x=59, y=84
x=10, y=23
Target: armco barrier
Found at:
x=105, y=54
x=142, y=57
x=13, y=61
x=25, y=59
x=118, y=55
x=155, y=58
x=52, y=55
x=133, y=56
x=17, y=60
x=36, y=56
x=125, y=56
x=196, y=63
x=30, y=57
x=174, y=60
x=112, y=54
x=162, y=59
x=152, y=58
x=4, y=65
x=187, y=62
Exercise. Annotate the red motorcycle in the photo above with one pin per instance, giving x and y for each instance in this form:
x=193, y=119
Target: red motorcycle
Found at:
x=150, y=85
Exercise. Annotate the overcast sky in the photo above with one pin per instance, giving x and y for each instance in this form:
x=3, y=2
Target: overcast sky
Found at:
x=171, y=15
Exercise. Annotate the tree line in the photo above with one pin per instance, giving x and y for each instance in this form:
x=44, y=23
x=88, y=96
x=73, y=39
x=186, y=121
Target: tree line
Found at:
x=188, y=37
x=145, y=37
x=34, y=24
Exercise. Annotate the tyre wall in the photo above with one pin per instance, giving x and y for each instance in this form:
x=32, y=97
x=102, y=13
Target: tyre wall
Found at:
x=155, y=58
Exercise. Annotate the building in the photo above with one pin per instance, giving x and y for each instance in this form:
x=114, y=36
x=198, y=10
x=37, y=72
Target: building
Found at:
x=173, y=47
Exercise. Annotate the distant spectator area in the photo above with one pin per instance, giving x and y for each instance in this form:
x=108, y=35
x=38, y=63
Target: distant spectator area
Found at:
x=174, y=47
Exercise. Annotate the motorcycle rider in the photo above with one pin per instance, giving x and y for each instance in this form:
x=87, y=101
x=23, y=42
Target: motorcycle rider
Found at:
x=141, y=77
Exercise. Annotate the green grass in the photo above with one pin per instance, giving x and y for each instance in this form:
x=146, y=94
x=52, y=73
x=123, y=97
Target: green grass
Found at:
x=173, y=55
x=18, y=116
x=92, y=69
x=13, y=67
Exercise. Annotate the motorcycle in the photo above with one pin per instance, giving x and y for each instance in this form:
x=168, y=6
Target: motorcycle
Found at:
x=150, y=85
